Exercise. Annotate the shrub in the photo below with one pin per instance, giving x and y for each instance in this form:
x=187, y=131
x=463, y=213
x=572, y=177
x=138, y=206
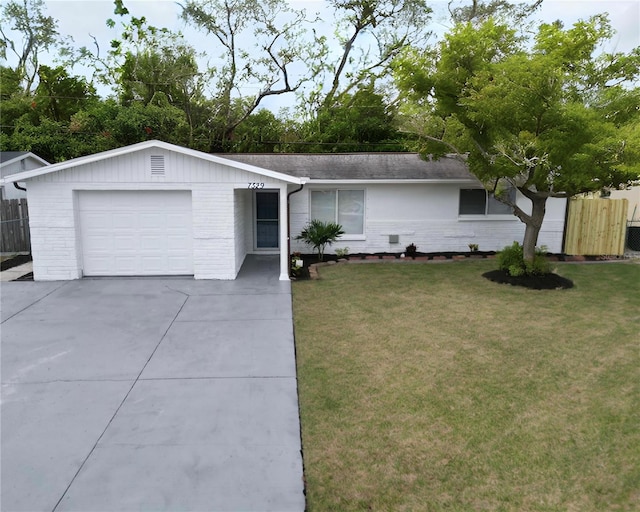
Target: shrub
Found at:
x=411, y=250
x=343, y=252
x=319, y=234
x=540, y=265
x=296, y=264
x=511, y=259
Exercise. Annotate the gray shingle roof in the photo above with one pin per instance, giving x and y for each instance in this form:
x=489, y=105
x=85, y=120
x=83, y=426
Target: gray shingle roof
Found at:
x=357, y=166
x=5, y=156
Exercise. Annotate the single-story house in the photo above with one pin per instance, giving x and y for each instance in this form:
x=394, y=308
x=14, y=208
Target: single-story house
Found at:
x=12, y=162
x=154, y=208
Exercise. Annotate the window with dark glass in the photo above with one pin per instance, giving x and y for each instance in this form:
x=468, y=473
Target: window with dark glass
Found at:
x=267, y=231
x=477, y=201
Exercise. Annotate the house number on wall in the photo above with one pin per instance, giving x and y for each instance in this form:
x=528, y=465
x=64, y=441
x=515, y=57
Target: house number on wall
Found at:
x=254, y=186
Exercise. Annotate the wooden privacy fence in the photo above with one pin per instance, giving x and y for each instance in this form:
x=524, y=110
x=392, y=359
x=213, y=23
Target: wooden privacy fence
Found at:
x=14, y=219
x=596, y=227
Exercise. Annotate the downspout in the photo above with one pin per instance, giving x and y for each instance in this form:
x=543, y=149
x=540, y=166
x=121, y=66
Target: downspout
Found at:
x=289, y=228
x=15, y=184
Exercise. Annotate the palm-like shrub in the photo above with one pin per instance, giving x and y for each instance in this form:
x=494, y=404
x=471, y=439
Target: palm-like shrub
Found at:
x=319, y=234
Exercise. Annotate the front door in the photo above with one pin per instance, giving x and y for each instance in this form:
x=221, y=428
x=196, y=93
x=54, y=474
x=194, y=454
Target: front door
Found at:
x=267, y=230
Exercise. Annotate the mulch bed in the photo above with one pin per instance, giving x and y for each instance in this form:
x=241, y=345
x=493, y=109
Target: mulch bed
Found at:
x=535, y=282
x=15, y=261
x=313, y=258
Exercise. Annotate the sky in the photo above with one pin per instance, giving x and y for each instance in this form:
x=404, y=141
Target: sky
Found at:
x=79, y=18
x=82, y=19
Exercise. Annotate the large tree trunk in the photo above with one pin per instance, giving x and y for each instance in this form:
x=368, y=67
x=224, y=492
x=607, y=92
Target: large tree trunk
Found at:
x=533, y=224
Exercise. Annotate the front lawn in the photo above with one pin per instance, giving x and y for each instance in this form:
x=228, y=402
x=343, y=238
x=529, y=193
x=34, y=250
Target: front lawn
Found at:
x=426, y=387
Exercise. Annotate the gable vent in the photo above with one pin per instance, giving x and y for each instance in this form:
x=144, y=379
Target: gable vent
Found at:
x=157, y=165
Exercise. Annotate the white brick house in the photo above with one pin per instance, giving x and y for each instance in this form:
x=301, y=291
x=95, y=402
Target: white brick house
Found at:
x=158, y=209
x=437, y=205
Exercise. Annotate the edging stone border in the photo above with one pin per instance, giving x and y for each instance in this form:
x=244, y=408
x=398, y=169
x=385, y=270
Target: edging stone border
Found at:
x=314, y=274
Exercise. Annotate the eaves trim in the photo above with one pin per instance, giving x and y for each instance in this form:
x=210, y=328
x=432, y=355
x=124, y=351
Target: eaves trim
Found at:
x=438, y=181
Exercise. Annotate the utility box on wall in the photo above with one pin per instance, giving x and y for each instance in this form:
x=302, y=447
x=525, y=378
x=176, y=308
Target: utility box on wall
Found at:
x=394, y=239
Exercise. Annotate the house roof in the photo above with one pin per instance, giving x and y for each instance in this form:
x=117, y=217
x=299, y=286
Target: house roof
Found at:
x=299, y=168
x=21, y=176
x=9, y=157
x=360, y=166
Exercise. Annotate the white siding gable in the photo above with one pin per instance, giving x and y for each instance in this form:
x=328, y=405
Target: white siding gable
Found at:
x=136, y=168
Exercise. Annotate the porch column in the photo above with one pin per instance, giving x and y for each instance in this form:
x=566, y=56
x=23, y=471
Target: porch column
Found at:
x=284, y=245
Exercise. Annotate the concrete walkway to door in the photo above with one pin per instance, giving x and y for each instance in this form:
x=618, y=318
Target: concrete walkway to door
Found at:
x=164, y=394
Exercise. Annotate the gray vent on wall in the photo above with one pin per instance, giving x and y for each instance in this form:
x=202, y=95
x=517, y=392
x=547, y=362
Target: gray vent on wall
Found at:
x=157, y=165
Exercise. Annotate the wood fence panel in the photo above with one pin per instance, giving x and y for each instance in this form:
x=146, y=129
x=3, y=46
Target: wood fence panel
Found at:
x=14, y=221
x=596, y=227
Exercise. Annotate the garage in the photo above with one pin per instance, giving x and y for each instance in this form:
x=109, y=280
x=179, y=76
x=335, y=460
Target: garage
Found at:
x=135, y=233
x=151, y=209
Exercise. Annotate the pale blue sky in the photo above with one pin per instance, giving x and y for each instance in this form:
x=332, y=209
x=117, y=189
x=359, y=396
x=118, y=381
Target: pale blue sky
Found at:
x=78, y=18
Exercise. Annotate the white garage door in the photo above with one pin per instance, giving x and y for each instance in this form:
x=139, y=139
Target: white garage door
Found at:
x=132, y=233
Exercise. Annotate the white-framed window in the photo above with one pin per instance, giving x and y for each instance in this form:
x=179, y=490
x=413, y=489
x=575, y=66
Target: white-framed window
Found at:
x=345, y=207
x=477, y=201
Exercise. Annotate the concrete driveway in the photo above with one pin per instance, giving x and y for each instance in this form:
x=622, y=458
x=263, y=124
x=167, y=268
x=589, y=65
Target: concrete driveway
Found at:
x=150, y=394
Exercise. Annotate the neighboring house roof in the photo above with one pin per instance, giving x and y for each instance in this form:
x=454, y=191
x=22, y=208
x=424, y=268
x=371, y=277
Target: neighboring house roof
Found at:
x=360, y=166
x=6, y=156
x=150, y=144
x=9, y=157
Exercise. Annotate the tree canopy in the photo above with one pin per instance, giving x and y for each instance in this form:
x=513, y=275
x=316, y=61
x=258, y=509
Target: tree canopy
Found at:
x=38, y=32
x=551, y=118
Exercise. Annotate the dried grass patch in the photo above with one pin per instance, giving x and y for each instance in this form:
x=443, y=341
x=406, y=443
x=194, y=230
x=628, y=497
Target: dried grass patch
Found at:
x=426, y=387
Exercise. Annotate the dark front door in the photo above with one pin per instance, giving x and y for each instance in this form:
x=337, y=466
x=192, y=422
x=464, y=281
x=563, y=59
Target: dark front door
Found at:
x=267, y=231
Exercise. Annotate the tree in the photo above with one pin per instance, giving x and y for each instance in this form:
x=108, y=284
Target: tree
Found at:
x=357, y=122
x=371, y=34
x=238, y=27
x=39, y=33
x=15, y=103
x=169, y=69
x=122, y=125
x=478, y=12
x=544, y=119
x=40, y=121
x=60, y=94
x=261, y=132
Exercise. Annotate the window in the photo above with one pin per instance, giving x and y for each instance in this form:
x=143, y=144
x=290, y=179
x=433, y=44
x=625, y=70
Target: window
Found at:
x=346, y=207
x=476, y=201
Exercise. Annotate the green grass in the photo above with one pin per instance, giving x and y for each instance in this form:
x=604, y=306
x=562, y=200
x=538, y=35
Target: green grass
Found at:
x=427, y=387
